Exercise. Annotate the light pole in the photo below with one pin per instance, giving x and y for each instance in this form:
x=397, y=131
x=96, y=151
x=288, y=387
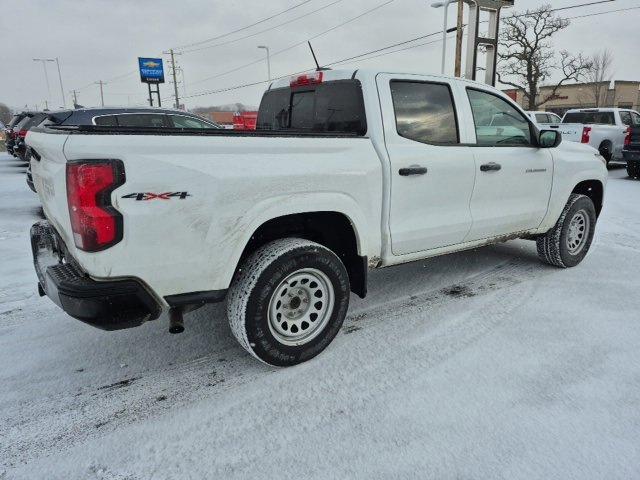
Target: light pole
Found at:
x=444, y=4
x=46, y=75
x=64, y=100
x=268, y=60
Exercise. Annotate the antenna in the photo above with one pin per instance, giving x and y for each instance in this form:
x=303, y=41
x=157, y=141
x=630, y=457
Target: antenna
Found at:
x=315, y=59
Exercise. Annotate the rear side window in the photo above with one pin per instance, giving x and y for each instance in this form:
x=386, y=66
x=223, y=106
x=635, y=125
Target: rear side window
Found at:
x=424, y=112
x=636, y=119
x=182, y=121
x=542, y=118
x=625, y=117
x=141, y=120
x=106, y=120
x=332, y=107
x=15, y=120
x=601, y=118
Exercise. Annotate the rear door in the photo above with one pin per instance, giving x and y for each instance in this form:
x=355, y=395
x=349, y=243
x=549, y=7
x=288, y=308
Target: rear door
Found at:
x=432, y=173
x=513, y=176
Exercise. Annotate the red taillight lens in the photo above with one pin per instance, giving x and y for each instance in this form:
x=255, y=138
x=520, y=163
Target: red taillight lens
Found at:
x=586, y=135
x=627, y=137
x=22, y=133
x=95, y=223
x=306, y=79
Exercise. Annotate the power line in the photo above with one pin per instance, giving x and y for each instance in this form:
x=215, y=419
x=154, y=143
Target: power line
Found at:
x=242, y=28
x=365, y=54
x=290, y=47
x=263, y=31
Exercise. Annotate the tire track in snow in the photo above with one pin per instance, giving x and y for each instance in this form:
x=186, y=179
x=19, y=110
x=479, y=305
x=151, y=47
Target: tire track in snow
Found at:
x=92, y=411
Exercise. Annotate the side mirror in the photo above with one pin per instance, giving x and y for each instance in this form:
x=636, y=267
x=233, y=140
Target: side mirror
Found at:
x=549, y=139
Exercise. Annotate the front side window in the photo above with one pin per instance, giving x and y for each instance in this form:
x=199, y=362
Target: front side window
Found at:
x=180, y=121
x=424, y=112
x=497, y=122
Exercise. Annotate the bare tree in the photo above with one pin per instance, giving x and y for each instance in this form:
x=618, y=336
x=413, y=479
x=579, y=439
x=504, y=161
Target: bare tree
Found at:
x=526, y=59
x=5, y=113
x=599, y=76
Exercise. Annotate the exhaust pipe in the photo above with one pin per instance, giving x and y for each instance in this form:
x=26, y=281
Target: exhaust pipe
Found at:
x=176, y=320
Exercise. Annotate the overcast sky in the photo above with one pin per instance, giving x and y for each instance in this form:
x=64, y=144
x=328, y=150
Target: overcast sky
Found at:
x=101, y=40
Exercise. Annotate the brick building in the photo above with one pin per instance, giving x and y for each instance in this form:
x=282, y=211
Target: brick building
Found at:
x=618, y=93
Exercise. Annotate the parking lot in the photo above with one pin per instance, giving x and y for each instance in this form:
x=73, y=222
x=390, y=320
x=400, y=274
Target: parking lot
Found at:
x=483, y=364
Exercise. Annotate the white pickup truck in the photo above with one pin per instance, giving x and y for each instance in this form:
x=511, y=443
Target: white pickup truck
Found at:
x=606, y=129
x=347, y=171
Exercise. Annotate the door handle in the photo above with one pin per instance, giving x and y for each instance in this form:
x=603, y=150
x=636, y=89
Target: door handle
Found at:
x=490, y=167
x=412, y=170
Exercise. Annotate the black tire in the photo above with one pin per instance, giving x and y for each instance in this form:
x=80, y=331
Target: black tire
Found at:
x=606, y=150
x=554, y=247
x=253, y=292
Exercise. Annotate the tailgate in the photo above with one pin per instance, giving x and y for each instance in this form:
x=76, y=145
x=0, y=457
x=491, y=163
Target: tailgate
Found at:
x=571, y=132
x=48, y=168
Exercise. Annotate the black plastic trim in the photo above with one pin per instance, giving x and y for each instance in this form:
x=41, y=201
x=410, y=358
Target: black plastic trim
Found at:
x=196, y=298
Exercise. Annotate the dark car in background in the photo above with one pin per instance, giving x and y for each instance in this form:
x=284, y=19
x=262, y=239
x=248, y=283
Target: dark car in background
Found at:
x=631, y=152
x=131, y=117
x=9, y=132
x=116, y=117
x=32, y=119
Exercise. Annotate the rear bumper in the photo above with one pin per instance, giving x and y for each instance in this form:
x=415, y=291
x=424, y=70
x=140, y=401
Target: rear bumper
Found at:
x=109, y=305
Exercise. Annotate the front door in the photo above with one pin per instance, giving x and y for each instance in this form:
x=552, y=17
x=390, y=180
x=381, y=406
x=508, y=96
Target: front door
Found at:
x=432, y=174
x=513, y=176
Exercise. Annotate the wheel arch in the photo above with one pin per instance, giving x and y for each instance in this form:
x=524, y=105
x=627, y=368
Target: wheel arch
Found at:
x=594, y=189
x=332, y=229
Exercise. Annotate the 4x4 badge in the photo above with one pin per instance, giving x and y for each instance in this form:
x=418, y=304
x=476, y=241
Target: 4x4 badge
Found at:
x=157, y=196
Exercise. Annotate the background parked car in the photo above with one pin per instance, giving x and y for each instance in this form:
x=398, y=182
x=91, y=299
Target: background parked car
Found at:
x=131, y=117
x=31, y=120
x=603, y=128
x=631, y=152
x=9, y=133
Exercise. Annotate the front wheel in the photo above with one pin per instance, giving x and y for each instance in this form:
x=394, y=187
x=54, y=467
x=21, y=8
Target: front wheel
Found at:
x=288, y=301
x=568, y=242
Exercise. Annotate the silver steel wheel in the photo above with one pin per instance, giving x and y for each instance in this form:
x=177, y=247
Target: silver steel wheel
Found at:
x=578, y=232
x=301, y=306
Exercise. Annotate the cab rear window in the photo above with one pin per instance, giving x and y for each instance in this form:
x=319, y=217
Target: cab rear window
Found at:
x=332, y=107
x=600, y=118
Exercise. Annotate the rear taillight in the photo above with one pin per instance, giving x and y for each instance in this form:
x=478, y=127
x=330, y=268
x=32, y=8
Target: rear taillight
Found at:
x=96, y=225
x=627, y=137
x=586, y=135
x=22, y=133
x=305, y=79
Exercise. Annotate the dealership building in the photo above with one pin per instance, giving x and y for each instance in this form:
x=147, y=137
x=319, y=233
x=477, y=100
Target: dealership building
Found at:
x=618, y=93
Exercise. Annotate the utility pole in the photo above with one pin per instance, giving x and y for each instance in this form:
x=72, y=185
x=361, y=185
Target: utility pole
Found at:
x=264, y=47
x=64, y=100
x=75, y=98
x=173, y=74
x=101, y=83
x=459, y=32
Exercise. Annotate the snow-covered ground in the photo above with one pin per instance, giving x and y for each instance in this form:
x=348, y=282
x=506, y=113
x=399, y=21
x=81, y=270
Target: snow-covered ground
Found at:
x=480, y=365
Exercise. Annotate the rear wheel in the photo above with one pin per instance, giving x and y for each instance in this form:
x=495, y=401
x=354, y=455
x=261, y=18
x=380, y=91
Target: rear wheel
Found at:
x=288, y=301
x=606, y=151
x=568, y=242
x=633, y=170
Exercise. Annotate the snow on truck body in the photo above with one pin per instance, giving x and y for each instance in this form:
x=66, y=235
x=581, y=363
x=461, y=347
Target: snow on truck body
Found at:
x=347, y=170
